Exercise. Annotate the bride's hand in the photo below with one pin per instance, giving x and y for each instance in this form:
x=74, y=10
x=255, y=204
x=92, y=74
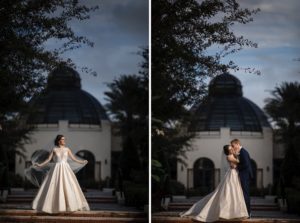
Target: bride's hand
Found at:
x=232, y=166
x=36, y=165
x=85, y=162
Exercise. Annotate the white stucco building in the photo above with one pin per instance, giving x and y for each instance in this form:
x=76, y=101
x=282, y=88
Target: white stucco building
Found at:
x=64, y=108
x=222, y=116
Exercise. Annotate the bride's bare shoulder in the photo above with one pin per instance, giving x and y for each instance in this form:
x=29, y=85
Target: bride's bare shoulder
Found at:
x=230, y=157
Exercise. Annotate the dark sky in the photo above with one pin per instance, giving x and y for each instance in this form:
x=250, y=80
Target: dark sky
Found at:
x=276, y=29
x=119, y=28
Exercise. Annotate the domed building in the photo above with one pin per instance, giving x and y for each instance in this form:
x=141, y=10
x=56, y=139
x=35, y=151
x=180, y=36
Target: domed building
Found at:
x=220, y=117
x=64, y=108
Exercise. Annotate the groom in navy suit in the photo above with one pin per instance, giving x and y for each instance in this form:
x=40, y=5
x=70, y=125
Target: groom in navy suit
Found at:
x=245, y=170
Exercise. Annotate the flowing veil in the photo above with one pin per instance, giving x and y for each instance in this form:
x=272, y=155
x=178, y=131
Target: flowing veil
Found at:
x=36, y=175
x=224, y=166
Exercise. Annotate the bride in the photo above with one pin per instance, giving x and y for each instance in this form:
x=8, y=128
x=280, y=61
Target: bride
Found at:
x=226, y=201
x=60, y=190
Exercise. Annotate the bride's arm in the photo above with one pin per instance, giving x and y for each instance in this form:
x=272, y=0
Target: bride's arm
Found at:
x=46, y=161
x=74, y=158
x=232, y=159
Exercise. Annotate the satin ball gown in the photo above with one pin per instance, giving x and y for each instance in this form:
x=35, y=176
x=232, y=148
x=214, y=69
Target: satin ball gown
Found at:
x=60, y=190
x=225, y=202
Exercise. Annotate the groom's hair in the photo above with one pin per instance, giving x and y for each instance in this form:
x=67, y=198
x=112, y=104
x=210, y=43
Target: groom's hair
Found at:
x=235, y=141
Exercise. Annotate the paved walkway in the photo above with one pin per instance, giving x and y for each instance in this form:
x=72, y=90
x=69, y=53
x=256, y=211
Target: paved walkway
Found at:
x=104, y=208
x=255, y=215
x=98, y=200
x=93, y=207
x=29, y=216
x=262, y=208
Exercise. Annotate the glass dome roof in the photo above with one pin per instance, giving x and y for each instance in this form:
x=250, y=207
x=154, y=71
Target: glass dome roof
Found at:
x=63, y=99
x=225, y=106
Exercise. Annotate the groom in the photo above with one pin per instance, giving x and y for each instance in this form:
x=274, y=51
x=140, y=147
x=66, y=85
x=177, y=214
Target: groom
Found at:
x=245, y=170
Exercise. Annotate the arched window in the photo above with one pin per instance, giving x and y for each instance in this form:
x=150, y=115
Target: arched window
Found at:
x=254, y=171
x=204, y=175
x=86, y=176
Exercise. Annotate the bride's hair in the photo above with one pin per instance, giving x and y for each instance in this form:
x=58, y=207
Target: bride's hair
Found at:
x=226, y=149
x=58, y=137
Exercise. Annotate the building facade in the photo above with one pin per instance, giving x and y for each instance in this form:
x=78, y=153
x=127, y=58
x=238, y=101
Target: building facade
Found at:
x=222, y=116
x=64, y=108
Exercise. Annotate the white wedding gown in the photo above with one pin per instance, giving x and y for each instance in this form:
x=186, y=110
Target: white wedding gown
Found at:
x=225, y=202
x=60, y=190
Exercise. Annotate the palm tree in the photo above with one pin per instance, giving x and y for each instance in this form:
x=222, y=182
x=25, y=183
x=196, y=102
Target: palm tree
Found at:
x=128, y=106
x=284, y=109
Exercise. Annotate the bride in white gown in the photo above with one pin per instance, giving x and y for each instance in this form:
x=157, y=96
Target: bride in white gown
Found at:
x=60, y=190
x=226, y=201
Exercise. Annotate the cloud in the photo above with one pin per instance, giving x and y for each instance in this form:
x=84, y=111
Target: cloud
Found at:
x=276, y=66
x=116, y=19
x=276, y=29
x=277, y=24
x=118, y=29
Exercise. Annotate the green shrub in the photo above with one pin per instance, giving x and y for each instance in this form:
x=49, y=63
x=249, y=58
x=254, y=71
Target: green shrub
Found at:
x=89, y=183
x=135, y=194
x=296, y=183
x=258, y=192
x=177, y=188
x=139, y=176
x=15, y=180
x=293, y=200
x=199, y=191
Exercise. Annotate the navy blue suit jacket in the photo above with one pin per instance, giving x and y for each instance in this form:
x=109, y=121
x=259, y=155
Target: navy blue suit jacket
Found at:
x=245, y=173
x=244, y=166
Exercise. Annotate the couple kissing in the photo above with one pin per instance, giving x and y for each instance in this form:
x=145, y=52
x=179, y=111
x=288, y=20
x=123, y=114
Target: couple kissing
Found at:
x=231, y=198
